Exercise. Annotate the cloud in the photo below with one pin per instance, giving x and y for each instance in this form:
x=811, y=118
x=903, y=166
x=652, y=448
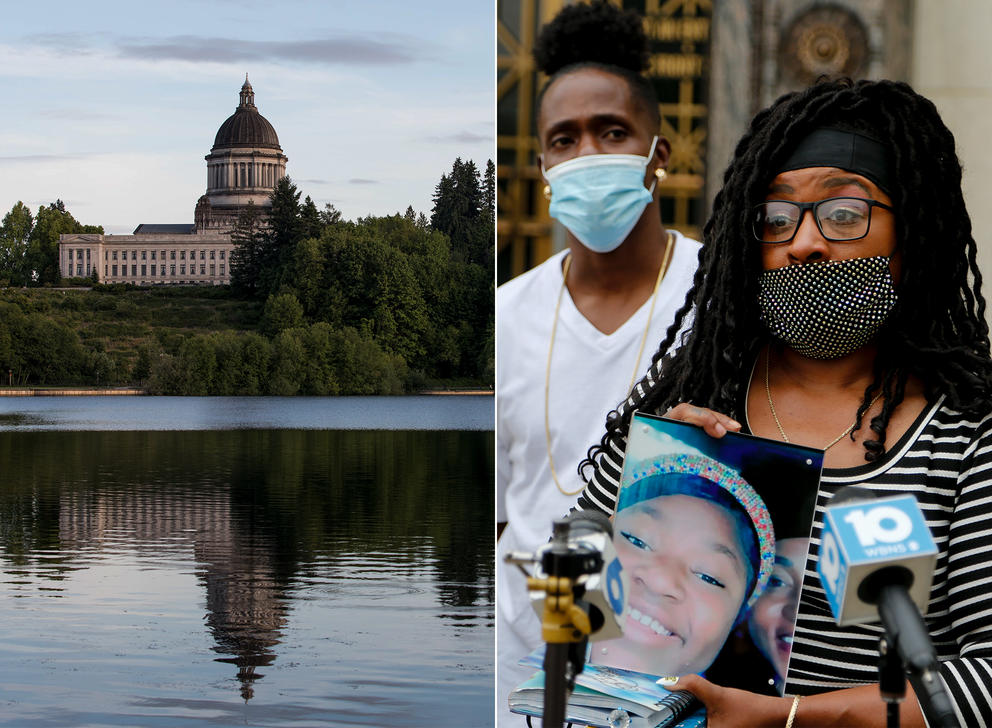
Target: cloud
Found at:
x=360, y=181
x=462, y=137
x=74, y=115
x=16, y=159
x=382, y=50
x=312, y=181
x=66, y=43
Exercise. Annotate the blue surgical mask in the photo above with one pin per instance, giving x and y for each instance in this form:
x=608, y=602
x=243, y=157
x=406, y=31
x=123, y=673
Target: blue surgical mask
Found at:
x=600, y=197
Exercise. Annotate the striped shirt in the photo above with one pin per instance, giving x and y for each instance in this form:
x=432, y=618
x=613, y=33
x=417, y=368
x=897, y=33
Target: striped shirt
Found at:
x=945, y=461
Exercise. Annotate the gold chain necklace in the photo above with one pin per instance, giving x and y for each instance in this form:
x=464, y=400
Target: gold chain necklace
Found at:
x=771, y=406
x=669, y=246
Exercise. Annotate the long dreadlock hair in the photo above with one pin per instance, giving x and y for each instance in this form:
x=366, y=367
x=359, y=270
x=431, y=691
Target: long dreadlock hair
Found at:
x=937, y=330
x=602, y=36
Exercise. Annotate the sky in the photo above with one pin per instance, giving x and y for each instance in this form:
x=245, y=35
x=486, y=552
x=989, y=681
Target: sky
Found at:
x=112, y=106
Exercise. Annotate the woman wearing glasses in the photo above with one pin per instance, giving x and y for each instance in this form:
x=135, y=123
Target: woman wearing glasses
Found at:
x=838, y=305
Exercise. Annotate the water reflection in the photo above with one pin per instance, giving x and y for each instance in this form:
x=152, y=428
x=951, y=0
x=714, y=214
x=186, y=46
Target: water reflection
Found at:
x=283, y=545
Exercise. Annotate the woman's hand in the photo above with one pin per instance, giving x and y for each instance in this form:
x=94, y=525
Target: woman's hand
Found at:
x=713, y=423
x=732, y=708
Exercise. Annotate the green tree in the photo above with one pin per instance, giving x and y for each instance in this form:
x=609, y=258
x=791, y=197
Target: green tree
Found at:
x=373, y=286
x=282, y=311
x=288, y=357
x=256, y=354
x=306, y=271
x=319, y=376
x=247, y=238
x=443, y=212
x=147, y=354
x=464, y=210
x=486, y=363
x=227, y=379
x=102, y=367
x=14, y=233
x=310, y=219
x=285, y=230
x=485, y=238
x=45, y=351
x=489, y=193
x=330, y=215
x=10, y=315
x=164, y=377
x=43, y=242
x=196, y=366
x=362, y=367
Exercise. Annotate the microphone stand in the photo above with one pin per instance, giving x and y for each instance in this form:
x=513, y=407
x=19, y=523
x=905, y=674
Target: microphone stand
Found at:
x=891, y=681
x=910, y=651
x=565, y=626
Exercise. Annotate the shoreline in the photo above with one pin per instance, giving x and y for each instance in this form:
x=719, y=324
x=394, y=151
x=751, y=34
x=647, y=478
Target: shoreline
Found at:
x=72, y=392
x=457, y=391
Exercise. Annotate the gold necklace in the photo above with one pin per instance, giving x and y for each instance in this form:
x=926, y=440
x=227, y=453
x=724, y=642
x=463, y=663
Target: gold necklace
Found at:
x=669, y=246
x=771, y=406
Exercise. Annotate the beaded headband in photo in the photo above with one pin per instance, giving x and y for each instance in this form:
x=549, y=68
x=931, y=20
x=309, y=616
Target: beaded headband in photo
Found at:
x=722, y=476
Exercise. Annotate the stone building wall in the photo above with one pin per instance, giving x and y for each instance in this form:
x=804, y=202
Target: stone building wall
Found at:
x=146, y=260
x=952, y=67
x=762, y=49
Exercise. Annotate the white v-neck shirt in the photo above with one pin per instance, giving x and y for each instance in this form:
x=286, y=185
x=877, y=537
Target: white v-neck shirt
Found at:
x=590, y=374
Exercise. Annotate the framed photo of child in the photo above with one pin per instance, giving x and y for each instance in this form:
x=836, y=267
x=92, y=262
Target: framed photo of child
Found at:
x=714, y=535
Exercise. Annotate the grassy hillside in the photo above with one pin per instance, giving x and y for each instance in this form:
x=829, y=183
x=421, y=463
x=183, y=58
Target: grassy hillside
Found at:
x=190, y=340
x=118, y=320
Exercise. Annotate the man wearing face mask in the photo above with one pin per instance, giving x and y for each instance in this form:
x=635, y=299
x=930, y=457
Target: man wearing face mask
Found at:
x=575, y=332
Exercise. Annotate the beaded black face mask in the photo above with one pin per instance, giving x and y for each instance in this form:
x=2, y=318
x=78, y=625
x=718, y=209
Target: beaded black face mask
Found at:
x=827, y=310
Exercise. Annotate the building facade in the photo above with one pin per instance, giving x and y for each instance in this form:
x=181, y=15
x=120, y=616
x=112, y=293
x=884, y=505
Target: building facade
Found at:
x=149, y=258
x=243, y=167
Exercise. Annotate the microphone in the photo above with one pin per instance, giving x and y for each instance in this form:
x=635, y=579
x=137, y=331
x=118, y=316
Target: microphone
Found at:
x=579, y=594
x=877, y=558
x=601, y=584
x=871, y=543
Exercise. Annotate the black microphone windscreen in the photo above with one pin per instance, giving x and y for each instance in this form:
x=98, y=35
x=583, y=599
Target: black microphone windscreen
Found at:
x=589, y=521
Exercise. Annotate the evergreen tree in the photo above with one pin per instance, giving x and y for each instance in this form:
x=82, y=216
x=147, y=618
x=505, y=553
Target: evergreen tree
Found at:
x=330, y=215
x=310, y=219
x=461, y=212
x=443, y=210
x=306, y=271
x=247, y=237
x=286, y=228
x=489, y=194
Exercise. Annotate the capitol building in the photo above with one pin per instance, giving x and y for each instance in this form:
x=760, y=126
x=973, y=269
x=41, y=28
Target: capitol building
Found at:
x=243, y=166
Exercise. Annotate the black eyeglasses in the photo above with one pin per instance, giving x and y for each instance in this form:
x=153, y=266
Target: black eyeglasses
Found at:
x=839, y=219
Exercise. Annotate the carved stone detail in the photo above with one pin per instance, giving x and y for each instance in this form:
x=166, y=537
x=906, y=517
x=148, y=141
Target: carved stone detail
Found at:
x=825, y=40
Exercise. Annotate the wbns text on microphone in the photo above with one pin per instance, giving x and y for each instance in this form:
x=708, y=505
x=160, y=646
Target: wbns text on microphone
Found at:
x=876, y=561
x=868, y=542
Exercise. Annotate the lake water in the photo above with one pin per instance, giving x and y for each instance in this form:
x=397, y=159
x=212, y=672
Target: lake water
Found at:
x=243, y=562
x=437, y=412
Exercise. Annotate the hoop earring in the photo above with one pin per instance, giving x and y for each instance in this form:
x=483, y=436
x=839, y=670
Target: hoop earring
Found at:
x=660, y=173
x=547, y=192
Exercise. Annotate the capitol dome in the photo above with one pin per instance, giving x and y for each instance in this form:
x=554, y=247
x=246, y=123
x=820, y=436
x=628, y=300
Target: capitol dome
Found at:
x=243, y=166
x=246, y=127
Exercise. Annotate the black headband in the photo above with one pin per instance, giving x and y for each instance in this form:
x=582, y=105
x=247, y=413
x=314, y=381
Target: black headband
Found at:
x=848, y=150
